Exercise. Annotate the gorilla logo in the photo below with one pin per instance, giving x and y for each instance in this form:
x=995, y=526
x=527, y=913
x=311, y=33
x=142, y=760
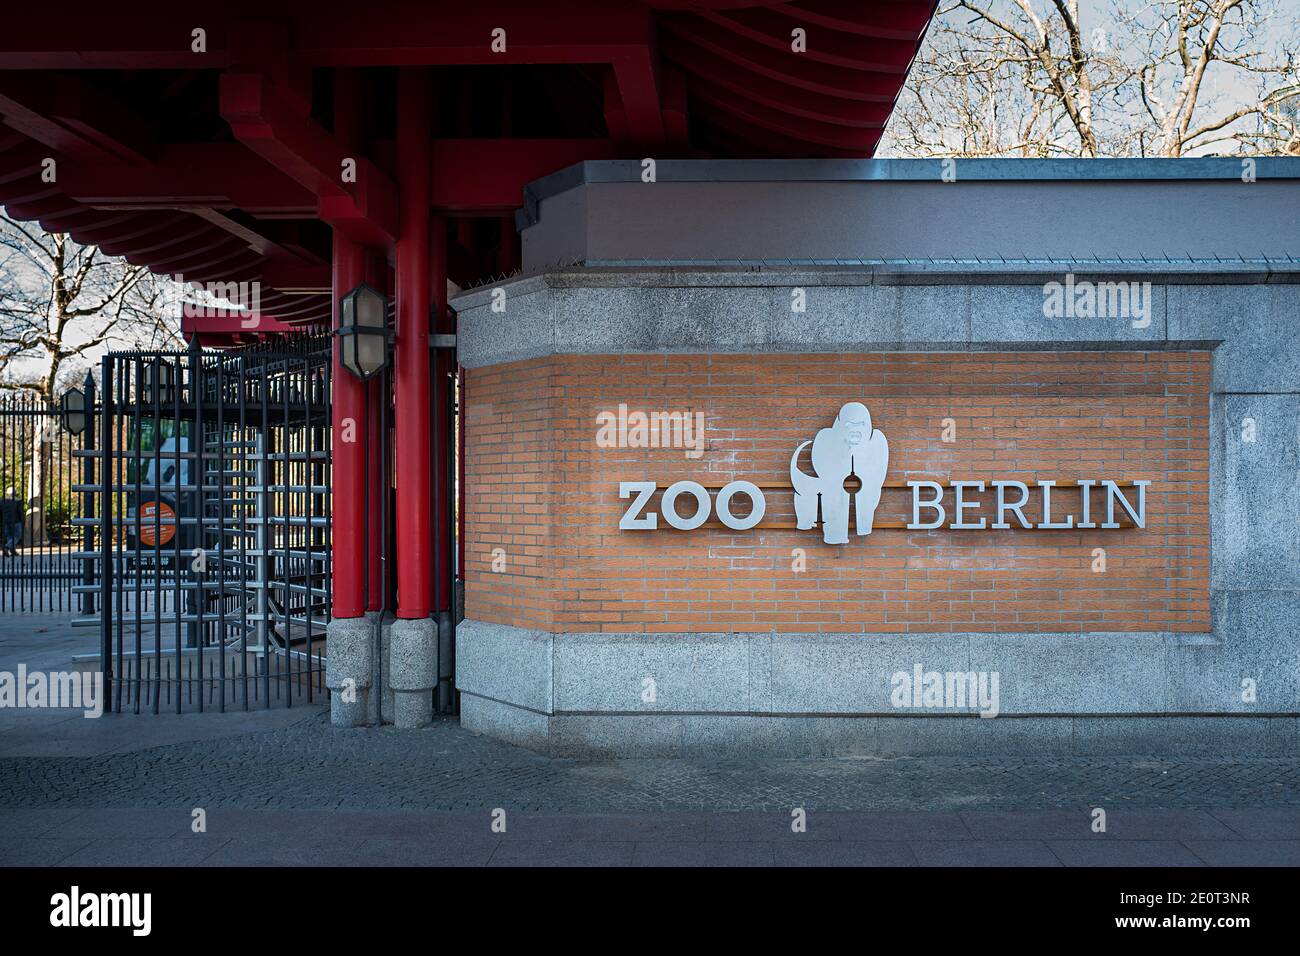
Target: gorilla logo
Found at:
x=849, y=447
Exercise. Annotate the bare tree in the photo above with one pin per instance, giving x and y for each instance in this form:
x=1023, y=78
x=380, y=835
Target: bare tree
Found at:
x=1134, y=78
x=989, y=90
x=61, y=305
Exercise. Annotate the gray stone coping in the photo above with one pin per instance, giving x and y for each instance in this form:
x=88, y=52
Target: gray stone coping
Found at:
x=1117, y=169
x=785, y=275
x=1252, y=326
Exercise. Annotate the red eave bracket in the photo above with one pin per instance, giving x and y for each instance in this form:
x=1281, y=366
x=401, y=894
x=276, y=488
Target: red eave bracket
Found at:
x=365, y=210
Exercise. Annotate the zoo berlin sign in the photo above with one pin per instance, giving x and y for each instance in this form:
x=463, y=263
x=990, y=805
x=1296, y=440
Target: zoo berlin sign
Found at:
x=851, y=448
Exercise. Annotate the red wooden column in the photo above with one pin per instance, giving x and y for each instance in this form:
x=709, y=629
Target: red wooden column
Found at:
x=411, y=433
x=351, y=264
x=444, y=365
x=378, y=495
x=349, y=450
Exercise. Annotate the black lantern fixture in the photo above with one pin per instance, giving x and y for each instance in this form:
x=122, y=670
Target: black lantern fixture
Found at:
x=363, y=332
x=74, y=411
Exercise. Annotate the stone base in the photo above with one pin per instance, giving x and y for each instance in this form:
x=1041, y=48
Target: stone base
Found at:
x=792, y=695
x=413, y=671
x=349, y=662
x=597, y=736
x=357, y=713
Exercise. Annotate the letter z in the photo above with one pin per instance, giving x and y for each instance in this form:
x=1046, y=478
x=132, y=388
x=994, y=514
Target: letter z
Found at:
x=632, y=519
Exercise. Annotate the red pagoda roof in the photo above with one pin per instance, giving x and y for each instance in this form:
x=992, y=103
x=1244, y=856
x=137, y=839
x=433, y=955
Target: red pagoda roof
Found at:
x=216, y=156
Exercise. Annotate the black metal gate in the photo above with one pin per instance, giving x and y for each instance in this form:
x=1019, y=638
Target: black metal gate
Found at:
x=208, y=561
x=38, y=506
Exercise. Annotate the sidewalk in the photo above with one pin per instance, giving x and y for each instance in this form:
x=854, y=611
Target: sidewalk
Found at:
x=344, y=838
x=282, y=787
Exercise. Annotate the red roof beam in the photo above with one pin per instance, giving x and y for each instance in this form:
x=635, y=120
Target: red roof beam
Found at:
x=454, y=33
x=764, y=90
x=852, y=52
x=784, y=66
x=190, y=175
x=267, y=238
x=365, y=210
x=636, y=70
x=153, y=34
x=888, y=21
x=487, y=176
x=297, y=279
x=71, y=117
x=158, y=34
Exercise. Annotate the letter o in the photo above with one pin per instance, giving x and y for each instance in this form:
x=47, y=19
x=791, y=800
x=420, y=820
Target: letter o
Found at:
x=755, y=513
x=668, y=507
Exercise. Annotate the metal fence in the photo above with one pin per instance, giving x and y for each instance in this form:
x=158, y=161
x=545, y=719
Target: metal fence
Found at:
x=206, y=501
x=38, y=507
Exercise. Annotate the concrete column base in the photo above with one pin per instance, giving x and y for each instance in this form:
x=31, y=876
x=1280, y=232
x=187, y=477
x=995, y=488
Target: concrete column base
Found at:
x=412, y=709
x=349, y=663
x=413, y=671
x=354, y=714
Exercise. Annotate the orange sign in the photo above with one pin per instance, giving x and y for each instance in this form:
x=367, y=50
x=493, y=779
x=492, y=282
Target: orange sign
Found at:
x=164, y=514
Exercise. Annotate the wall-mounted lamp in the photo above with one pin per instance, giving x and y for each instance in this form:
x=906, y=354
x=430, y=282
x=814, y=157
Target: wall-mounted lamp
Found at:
x=363, y=332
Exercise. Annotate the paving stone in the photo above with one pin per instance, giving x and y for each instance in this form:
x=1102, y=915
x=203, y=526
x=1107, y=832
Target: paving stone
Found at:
x=37, y=851
x=119, y=822
x=675, y=853
x=136, y=851
x=1243, y=853
x=310, y=766
x=839, y=853
x=1125, y=823
x=36, y=822
x=449, y=851
x=1273, y=823
x=301, y=793
x=619, y=827
x=1028, y=824
x=547, y=853
x=983, y=853
x=1103, y=852
x=264, y=851
x=890, y=825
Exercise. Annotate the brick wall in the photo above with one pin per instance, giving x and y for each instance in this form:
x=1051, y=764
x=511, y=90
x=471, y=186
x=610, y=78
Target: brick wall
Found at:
x=542, y=497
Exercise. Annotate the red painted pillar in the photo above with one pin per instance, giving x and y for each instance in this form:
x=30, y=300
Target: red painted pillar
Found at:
x=444, y=365
x=348, y=516
x=411, y=431
x=349, y=450
x=377, y=479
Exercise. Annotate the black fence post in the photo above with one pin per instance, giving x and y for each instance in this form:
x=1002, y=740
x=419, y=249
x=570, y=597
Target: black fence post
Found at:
x=88, y=500
x=106, y=529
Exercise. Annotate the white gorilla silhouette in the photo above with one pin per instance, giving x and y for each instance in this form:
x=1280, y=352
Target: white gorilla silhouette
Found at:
x=849, y=447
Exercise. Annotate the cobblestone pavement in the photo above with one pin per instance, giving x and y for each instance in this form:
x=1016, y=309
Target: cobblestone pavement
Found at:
x=308, y=764
x=282, y=787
